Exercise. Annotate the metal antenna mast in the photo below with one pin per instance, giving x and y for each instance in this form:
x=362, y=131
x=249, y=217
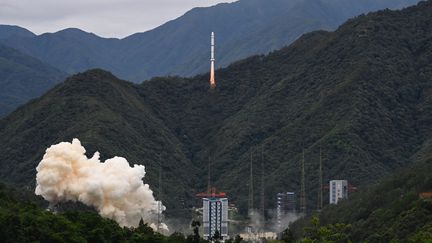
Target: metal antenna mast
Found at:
x=251, y=190
x=303, y=189
x=320, y=191
x=262, y=184
x=208, y=176
x=160, y=195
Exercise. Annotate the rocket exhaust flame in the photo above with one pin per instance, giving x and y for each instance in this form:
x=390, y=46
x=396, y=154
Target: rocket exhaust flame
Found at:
x=212, y=61
x=114, y=188
x=212, y=77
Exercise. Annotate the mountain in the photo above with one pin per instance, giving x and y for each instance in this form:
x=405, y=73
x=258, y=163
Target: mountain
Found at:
x=181, y=46
x=69, y=50
x=362, y=93
x=113, y=120
x=8, y=31
x=392, y=211
x=22, y=78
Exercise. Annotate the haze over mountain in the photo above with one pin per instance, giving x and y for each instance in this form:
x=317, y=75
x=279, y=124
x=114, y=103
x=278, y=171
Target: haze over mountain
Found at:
x=180, y=47
x=22, y=78
x=363, y=92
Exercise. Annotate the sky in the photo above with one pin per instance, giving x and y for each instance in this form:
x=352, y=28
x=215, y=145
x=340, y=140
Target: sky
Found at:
x=107, y=18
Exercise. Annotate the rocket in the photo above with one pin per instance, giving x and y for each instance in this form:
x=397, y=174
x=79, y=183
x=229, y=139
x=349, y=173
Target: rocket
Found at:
x=212, y=61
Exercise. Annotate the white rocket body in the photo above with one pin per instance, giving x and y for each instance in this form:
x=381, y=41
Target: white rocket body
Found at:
x=212, y=61
x=212, y=44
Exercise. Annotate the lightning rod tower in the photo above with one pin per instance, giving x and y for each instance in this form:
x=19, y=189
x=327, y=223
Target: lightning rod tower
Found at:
x=251, y=190
x=262, y=184
x=209, y=175
x=303, y=189
x=320, y=191
x=160, y=195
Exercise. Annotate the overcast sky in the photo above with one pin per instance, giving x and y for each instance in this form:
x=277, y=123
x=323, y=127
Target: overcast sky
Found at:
x=107, y=18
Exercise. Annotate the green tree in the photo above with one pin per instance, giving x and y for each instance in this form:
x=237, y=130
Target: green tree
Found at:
x=176, y=237
x=288, y=236
x=217, y=236
x=238, y=239
x=332, y=233
x=195, y=238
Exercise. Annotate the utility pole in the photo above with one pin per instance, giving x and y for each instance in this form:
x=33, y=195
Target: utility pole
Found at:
x=303, y=189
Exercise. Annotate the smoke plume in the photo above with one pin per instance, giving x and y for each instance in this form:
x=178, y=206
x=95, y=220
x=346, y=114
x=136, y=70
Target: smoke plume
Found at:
x=114, y=188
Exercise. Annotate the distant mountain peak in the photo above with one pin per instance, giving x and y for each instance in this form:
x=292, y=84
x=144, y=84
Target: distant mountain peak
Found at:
x=7, y=31
x=74, y=32
x=180, y=46
x=95, y=74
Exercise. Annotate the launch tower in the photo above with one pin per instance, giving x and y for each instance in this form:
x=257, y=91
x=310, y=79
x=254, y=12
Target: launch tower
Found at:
x=215, y=214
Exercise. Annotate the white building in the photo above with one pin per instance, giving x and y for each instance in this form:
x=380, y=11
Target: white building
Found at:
x=215, y=217
x=338, y=190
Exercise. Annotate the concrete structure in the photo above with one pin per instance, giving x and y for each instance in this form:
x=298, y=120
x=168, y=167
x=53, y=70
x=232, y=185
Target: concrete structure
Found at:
x=338, y=190
x=285, y=204
x=215, y=217
x=258, y=237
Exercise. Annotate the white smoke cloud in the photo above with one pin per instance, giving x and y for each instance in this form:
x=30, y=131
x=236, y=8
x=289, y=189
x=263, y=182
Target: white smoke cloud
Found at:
x=114, y=188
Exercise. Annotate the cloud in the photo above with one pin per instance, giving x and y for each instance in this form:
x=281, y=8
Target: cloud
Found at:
x=108, y=18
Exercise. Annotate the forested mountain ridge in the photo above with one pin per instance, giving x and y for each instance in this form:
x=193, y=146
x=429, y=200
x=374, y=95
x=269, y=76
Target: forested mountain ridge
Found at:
x=8, y=31
x=181, y=46
x=362, y=93
x=22, y=78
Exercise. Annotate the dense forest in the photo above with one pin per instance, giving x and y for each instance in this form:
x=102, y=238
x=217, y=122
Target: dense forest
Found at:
x=22, y=78
x=362, y=94
x=22, y=220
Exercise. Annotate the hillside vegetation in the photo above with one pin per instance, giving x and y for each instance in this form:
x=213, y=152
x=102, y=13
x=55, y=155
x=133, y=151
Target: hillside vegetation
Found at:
x=391, y=211
x=24, y=221
x=22, y=78
x=362, y=92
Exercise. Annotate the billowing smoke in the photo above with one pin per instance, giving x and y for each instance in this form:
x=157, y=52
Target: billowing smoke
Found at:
x=279, y=224
x=114, y=188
